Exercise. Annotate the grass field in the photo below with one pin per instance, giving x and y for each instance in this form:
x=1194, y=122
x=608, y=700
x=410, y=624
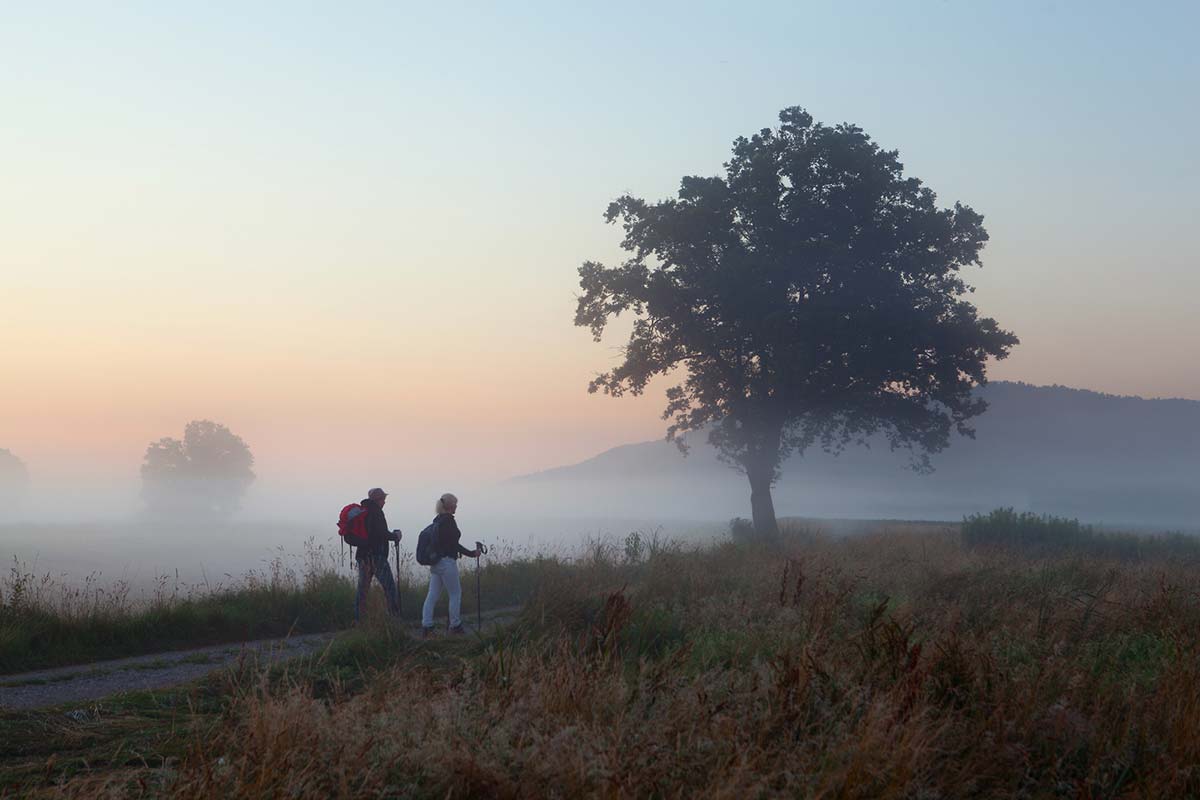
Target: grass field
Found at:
x=912, y=661
x=47, y=621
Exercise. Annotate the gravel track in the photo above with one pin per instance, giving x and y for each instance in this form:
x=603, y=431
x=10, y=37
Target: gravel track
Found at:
x=61, y=685
x=51, y=687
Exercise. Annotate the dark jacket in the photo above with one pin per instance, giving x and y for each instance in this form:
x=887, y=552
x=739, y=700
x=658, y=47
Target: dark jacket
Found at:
x=448, y=536
x=378, y=534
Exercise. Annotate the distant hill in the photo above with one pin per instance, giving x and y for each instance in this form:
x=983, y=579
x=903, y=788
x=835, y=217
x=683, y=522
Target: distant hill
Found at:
x=1103, y=458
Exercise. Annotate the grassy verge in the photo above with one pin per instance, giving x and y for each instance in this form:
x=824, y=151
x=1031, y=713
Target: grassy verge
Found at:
x=119, y=746
x=131, y=745
x=30, y=639
x=44, y=623
x=895, y=664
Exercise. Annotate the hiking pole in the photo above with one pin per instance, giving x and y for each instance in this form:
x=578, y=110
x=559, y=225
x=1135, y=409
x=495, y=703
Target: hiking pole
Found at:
x=480, y=549
x=399, y=596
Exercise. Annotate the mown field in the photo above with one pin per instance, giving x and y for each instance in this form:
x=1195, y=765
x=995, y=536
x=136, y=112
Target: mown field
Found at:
x=1014, y=657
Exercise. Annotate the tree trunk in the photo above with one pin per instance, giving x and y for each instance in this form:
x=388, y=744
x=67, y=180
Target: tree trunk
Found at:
x=761, y=506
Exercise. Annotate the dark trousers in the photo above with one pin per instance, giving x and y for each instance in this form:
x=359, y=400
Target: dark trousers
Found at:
x=375, y=567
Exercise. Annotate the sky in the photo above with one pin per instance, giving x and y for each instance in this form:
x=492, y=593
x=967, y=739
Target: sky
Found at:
x=350, y=231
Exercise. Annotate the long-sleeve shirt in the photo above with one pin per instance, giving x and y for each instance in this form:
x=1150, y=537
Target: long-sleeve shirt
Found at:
x=448, y=538
x=378, y=534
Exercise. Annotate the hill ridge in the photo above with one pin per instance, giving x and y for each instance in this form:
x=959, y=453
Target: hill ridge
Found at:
x=1053, y=449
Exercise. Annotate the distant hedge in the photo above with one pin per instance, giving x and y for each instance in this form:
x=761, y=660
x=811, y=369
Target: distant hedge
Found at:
x=1028, y=532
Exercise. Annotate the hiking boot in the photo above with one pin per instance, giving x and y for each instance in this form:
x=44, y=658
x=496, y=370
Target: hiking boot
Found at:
x=426, y=633
x=458, y=630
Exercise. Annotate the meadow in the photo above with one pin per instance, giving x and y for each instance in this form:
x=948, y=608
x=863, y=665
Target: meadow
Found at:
x=1008, y=656
x=49, y=620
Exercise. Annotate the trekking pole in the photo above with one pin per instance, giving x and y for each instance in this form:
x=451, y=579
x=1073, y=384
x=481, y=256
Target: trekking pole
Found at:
x=480, y=549
x=399, y=596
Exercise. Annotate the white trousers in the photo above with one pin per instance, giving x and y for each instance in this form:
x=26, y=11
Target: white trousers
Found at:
x=443, y=574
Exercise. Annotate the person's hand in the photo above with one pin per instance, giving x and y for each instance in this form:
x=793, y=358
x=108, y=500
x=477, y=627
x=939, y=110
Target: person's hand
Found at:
x=397, y=535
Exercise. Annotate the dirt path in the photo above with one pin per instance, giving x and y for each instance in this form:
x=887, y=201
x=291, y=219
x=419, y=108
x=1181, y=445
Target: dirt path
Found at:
x=51, y=687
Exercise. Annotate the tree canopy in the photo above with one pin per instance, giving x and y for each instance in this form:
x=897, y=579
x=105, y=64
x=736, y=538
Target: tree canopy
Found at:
x=811, y=295
x=207, y=472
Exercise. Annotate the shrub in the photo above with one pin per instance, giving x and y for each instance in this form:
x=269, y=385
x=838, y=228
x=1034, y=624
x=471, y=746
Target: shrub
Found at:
x=1044, y=534
x=741, y=530
x=635, y=548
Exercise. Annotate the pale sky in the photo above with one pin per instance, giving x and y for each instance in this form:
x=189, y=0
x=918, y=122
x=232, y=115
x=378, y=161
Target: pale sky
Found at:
x=341, y=227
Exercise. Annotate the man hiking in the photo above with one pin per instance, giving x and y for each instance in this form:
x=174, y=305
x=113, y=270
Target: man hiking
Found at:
x=373, y=558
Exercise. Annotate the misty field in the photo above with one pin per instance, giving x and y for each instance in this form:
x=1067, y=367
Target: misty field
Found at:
x=911, y=661
x=50, y=620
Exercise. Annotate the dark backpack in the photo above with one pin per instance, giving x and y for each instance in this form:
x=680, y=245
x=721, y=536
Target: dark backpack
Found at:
x=427, y=554
x=352, y=525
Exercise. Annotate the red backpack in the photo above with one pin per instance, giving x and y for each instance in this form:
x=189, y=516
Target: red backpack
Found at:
x=352, y=525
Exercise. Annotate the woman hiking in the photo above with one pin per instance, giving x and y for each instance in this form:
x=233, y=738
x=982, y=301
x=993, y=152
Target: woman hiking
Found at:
x=444, y=571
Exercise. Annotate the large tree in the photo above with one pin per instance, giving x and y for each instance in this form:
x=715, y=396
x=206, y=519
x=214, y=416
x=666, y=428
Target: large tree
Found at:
x=205, y=473
x=811, y=295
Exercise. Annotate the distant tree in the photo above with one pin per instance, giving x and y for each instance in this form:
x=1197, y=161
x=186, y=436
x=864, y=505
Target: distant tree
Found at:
x=206, y=473
x=812, y=295
x=14, y=479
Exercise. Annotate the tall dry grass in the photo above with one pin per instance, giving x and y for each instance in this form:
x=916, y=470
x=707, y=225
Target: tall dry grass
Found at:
x=49, y=620
x=897, y=664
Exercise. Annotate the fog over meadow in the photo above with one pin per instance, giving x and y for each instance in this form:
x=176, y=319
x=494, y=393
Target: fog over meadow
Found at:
x=1118, y=462
x=103, y=529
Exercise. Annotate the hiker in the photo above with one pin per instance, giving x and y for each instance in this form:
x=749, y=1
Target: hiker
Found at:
x=373, y=557
x=443, y=573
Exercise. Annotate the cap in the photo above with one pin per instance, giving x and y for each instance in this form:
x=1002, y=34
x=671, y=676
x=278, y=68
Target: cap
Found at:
x=376, y=493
